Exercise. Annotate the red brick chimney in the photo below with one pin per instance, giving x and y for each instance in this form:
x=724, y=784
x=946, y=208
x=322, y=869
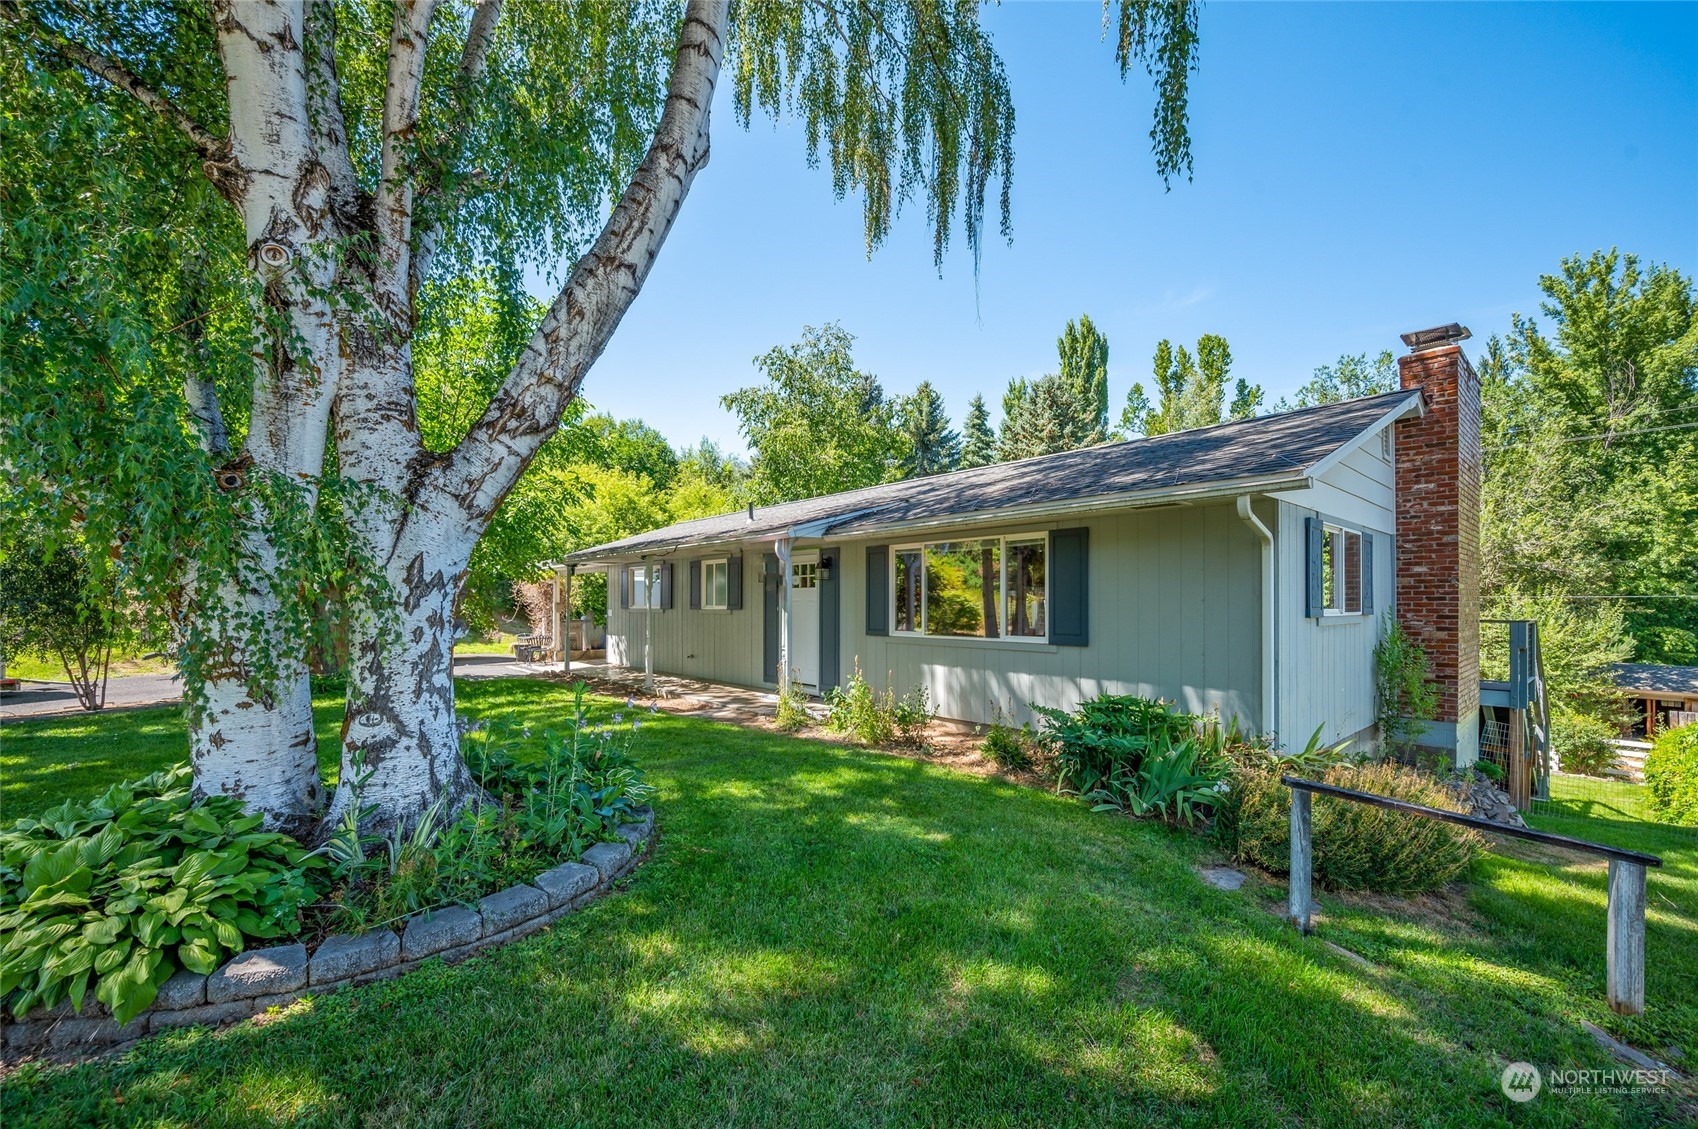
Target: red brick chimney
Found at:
x=1438, y=530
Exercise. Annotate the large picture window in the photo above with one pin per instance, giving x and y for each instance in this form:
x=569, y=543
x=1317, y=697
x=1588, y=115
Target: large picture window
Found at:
x=985, y=588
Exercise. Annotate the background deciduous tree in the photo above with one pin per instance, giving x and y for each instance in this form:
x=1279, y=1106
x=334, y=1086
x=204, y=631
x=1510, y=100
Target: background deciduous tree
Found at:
x=1191, y=391
x=818, y=425
x=54, y=606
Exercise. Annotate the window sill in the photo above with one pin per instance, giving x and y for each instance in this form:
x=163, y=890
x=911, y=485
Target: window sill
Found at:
x=1338, y=619
x=972, y=641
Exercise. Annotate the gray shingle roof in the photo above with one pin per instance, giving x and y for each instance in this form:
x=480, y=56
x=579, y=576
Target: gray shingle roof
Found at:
x=1283, y=446
x=1655, y=678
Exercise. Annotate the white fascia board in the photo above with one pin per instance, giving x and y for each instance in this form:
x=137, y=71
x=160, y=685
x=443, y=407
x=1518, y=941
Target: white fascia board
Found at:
x=1411, y=406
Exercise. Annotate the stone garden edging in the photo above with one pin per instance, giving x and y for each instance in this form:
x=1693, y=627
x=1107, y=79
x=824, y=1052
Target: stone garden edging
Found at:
x=253, y=982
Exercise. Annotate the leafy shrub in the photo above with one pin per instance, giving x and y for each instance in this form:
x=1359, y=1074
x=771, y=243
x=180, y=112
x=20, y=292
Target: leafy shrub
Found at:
x=1404, y=695
x=1491, y=770
x=1582, y=743
x=1671, y=775
x=877, y=719
x=1106, y=739
x=911, y=715
x=1138, y=755
x=793, y=708
x=1008, y=747
x=1356, y=846
x=120, y=892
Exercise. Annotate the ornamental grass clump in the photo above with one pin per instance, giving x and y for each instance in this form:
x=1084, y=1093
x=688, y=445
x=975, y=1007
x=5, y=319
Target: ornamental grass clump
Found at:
x=116, y=894
x=1357, y=846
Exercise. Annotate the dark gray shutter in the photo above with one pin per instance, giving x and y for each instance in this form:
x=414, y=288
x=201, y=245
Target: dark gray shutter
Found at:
x=695, y=585
x=734, y=583
x=624, y=578
x=1367, y=573
x=878, y=589
x=1316, y=534
x=1069, y=587
x=666, y=585
x=831, y=561
x=769, y=606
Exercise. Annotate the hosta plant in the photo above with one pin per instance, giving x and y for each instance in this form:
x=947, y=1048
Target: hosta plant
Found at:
x=116, y=894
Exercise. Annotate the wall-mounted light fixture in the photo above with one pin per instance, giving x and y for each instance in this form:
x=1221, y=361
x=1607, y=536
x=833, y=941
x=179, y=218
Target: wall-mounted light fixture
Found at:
x=825, y=568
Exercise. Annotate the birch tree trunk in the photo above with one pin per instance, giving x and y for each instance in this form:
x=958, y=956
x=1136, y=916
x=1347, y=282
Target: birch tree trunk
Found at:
x=400, y=731
x=251, y=727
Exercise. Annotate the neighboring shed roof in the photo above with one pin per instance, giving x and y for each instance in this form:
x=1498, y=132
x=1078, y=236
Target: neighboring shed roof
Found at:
x=1654, y=678
x=1272, y=452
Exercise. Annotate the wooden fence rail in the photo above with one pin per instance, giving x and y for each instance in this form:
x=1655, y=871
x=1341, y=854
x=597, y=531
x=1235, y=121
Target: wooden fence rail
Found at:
x=1625, y=942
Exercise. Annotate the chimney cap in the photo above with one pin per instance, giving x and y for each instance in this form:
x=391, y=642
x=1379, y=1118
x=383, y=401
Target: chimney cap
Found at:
x=1421, y=340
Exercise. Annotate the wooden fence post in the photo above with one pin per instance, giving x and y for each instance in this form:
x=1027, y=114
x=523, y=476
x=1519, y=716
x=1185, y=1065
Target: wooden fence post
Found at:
x=1302, y=860
x=1518, y=780
x=1625, y=977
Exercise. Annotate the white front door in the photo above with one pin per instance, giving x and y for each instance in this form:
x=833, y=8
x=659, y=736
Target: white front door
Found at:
x=805, y=618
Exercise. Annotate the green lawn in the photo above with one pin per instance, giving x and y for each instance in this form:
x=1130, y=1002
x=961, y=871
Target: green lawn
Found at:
x=828, y=936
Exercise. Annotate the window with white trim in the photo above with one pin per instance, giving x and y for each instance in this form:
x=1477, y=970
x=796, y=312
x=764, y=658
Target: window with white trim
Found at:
x=976, y=588
x=1341, y=571
x=716, y=585
x=642, y=587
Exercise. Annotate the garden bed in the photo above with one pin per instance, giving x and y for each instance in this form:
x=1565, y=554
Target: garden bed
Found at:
x=258, y=980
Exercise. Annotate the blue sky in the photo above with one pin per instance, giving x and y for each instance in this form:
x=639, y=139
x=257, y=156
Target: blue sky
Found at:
x=1360, y=170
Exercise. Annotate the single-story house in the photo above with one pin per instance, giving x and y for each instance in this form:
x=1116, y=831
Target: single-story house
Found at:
x=1668, y=695
x=1240, y=569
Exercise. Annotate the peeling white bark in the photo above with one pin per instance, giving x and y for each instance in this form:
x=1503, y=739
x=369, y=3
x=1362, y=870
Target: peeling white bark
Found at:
x=246, y=739
x=400, y=727
x=526, y=411
x=287, y=169
x=400, y=724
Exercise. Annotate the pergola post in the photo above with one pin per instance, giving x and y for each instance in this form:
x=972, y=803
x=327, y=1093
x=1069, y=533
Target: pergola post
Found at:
x=565, y=620
x=648, y=627
x=783, y=548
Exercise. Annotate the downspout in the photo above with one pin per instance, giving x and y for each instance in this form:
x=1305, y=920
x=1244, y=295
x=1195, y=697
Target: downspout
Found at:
x=1270, y=716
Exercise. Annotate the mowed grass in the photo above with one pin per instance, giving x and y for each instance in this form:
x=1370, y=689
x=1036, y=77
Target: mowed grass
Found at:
x=82, y=754
x=829, y=936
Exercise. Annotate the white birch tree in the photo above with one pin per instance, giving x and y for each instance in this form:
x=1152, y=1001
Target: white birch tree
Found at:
x=361, y=152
